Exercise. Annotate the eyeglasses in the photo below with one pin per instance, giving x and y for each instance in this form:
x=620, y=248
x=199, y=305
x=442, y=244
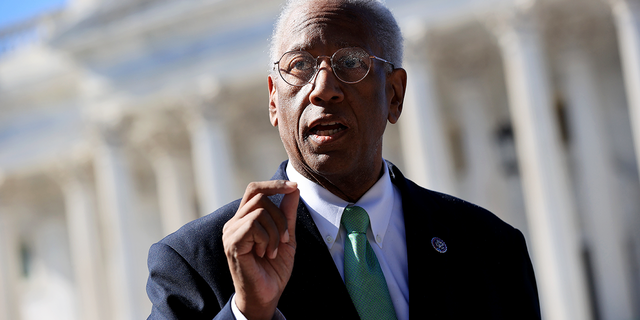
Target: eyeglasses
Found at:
x=350, y=65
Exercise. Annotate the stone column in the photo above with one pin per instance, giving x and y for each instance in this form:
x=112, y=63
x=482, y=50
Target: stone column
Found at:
x=172, y=169
x=483, y=182
x=550, y=209
x=84, y=239
x=422, y=125
x=213, y=169
x=114, y=190
x=481, y=166
x=594, y=168
x=9, y=265
x=627, y=19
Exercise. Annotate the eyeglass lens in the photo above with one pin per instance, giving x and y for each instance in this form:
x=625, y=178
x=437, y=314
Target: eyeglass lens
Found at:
x=350, y=65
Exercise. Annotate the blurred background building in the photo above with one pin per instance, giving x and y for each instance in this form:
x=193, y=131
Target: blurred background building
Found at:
x=122, y=120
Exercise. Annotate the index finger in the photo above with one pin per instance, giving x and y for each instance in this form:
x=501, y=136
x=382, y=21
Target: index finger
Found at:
x=268, y=188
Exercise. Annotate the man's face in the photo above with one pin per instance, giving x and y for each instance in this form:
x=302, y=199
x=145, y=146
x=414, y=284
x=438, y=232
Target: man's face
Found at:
x=330, y=128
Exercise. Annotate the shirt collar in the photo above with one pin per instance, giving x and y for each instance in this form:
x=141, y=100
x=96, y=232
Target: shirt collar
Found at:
x=326, y=208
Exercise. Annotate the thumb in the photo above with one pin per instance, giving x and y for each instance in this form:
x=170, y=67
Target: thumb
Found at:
x=289, y=207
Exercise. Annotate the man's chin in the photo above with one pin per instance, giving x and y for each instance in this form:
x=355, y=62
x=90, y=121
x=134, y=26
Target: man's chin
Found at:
x=327, y=165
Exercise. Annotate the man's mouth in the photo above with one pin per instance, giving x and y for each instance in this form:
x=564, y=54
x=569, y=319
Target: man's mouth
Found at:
x=327, y=129
x=327, y=132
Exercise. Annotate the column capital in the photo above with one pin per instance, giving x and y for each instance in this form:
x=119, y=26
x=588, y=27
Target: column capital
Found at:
x=208, y=87
x=73, y=167
x=520, y=17
x=416, y=35
x=201, y=104
x=197, y=109
x=159, y=131
x=111, y=132
x=469, y=52
x=418, y=42
x=66, y=172
x=570, y=28
x=625, y=6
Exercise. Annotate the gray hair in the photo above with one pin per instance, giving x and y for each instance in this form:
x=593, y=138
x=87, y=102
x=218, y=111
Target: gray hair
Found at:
x=385, y=28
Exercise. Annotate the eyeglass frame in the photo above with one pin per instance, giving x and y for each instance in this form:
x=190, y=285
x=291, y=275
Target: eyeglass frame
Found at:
x=317, y=69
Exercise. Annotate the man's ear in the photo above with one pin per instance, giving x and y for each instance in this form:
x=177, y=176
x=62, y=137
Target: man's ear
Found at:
x=396, y=86
x=273, y=111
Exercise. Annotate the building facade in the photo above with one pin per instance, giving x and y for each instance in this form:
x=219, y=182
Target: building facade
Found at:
x=122, y=120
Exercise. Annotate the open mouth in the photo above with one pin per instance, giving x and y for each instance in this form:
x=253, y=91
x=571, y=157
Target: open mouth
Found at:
x=327, y=129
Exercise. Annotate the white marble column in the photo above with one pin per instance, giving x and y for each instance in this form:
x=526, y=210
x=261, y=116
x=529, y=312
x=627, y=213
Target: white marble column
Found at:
x=48, y=288
x=481, y=166
x=594, y=168
x=422, y=125
x=9, y=266
x=213, y=169
x=174, y=183
x=84, y=239
x=550, y=208
x=627, y=19
x=483, y=182
x=114, y=190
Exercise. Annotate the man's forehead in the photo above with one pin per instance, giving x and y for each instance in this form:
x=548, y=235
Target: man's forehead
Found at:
x=308, y=45
x=323, y=12
x=310, y=22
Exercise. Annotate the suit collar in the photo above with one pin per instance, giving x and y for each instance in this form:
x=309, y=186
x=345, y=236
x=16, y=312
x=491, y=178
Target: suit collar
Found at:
x=326, y=208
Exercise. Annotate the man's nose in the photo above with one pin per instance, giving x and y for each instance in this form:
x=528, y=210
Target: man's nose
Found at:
x=326, y=86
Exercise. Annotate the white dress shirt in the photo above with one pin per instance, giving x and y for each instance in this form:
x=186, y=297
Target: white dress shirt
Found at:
x=386, y=232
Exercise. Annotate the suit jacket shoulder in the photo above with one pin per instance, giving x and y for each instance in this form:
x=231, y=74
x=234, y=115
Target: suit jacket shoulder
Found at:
x=486, y=263
x=188, y=275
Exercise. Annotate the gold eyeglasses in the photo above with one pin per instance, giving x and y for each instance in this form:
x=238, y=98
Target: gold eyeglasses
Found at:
x=349, y=65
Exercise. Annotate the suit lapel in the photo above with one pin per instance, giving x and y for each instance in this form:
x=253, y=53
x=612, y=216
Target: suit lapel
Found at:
x=315, y=281
x=428, y=269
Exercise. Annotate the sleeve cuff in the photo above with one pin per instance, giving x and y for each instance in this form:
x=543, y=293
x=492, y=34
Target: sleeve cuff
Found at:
x=239, y=316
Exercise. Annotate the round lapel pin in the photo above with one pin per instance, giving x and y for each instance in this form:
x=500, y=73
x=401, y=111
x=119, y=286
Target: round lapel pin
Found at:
x=439, y=244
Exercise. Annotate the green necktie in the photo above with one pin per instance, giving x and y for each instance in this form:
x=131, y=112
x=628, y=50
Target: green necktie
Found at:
x=362, y=273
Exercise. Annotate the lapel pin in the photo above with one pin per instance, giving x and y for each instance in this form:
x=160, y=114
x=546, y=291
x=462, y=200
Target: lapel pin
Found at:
x=439, y=244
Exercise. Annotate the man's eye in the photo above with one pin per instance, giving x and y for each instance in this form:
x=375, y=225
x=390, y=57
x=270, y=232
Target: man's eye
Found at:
x=300, y=65
x=351, y=62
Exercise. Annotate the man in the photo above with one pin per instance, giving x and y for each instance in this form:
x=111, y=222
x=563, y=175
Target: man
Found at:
x=416, y=254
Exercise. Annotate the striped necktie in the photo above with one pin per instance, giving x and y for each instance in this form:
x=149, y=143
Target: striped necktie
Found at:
x=362, y=273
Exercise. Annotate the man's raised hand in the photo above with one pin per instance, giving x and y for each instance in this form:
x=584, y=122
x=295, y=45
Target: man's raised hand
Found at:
x=260, y=243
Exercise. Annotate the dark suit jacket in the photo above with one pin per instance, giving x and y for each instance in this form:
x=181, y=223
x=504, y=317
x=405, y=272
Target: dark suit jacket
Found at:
x=485, y=273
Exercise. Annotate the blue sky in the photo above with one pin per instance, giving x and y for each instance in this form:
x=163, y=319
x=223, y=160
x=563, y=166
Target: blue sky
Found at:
x=12, y=11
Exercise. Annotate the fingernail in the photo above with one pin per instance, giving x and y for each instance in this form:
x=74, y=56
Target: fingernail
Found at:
x=274, y=254
x=285, y=238
x=291, y=184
